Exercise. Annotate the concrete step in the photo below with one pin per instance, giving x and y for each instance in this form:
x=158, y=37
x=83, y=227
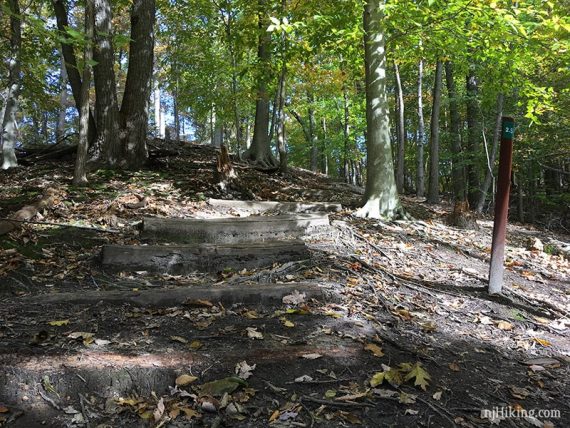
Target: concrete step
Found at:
x=234, y=229
x=264, y=206
x=183, y=259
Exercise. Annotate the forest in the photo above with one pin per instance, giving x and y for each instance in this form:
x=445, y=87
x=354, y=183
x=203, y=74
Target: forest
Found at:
x=280, y=213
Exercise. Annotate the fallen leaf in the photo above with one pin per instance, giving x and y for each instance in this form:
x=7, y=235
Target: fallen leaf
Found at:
x=504, y=325
x=252, y=333
x=274, y=416
x=454, y=367
x=304, y=378
x=217, y=388
x=421, y=376
x=287, y=323
x=294, y=298
x=311, y=356
x=190, y=413
x=542, y=342
x=437, y=395
x=244, y=370
x=550, y=363
x=195, y=345
x=4, y=409
x=377, y=379
x=179, y=339
x=59, y=323
x=330, y=393
x=375, y=349
x=159, y=411
x=198, y=303
x=185, y=379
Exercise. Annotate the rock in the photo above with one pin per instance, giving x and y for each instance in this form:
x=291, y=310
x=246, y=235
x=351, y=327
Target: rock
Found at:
x=534, y=244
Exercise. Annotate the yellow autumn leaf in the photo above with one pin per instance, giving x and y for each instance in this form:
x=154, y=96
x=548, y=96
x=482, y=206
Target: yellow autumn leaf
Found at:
x=377, y=379
x=287, y=323
x=542, y=342
x=421, y=376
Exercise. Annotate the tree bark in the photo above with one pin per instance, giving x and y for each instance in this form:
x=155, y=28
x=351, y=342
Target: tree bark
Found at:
x=346, y=134
x=281, y=145
x=401, y=131
x=473, y=130
x=433, y=190
x=260, y=151
x=312, y=134
x=381, y=195
x=60, y=126
x=420, y=177
x=9, y=122
x=106, y=108
x=70, y=61
x=79, y=175
x=457, y=169
x=134, y=109
x=496, y=139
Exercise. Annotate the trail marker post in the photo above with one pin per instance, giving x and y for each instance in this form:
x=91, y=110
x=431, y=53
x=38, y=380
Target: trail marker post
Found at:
x=497, y=267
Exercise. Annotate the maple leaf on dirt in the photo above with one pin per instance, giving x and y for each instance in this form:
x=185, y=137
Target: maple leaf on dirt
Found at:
x=421, y=376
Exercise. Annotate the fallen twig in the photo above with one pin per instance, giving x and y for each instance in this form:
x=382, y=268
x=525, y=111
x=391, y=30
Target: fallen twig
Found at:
x=47, y=223
x=334, y=403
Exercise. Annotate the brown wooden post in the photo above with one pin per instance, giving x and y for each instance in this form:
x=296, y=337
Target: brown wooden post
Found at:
x=501, y=206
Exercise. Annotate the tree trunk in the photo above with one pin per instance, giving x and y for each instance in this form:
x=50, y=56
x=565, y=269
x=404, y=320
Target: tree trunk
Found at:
x=381, y=195
x=106, y=108
x=473, y=130
x=157, y=110
x=281, y=145
x=346, y=134
x=260, y=151
x=60, y=126
x=134, y=110
x=433, y=190
x=79, y=175
x=312, y=134
x=401, y=132
x=325, y=148
x=9, y=123
x=71, y=65
x=420, y=177
x=457, y=169
x=496, y=139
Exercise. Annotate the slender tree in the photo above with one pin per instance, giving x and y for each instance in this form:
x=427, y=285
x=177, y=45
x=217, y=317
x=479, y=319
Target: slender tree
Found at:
x=433, y=189
x=381, y=195
x=420, y=177
x=473, y=129
x=400, y=159
x=9, y=121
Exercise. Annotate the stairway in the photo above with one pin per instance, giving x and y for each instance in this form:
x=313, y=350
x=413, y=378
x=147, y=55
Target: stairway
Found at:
x=180, y=246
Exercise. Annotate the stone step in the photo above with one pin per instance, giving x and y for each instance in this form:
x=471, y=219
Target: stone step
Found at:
x=257, y=294
x=183, y=259
x=264, y=206
x=234, y=229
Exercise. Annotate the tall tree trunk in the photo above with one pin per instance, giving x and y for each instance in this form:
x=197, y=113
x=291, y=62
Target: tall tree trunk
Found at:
x=433, y=190
x=157, y=108
x=134, y=109
x=312, y=134
x=60, y=126
x=260, y=151
x=325, y=148
x=281, y=145
x=401, y=131
x=106, y=108
x=457, y=169
x=176, y=112
x=493, y=156
x=381, y=195
x=346, y=133
x=9, y=123
x=420, y=177
x=473, y=129
x=79, y=175
x=70, y=62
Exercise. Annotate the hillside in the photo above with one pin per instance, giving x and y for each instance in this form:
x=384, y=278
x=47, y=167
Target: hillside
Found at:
x=382, y=324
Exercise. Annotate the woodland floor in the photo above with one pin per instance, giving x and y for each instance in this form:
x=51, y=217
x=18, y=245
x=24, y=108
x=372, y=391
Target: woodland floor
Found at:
x=397, y=294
